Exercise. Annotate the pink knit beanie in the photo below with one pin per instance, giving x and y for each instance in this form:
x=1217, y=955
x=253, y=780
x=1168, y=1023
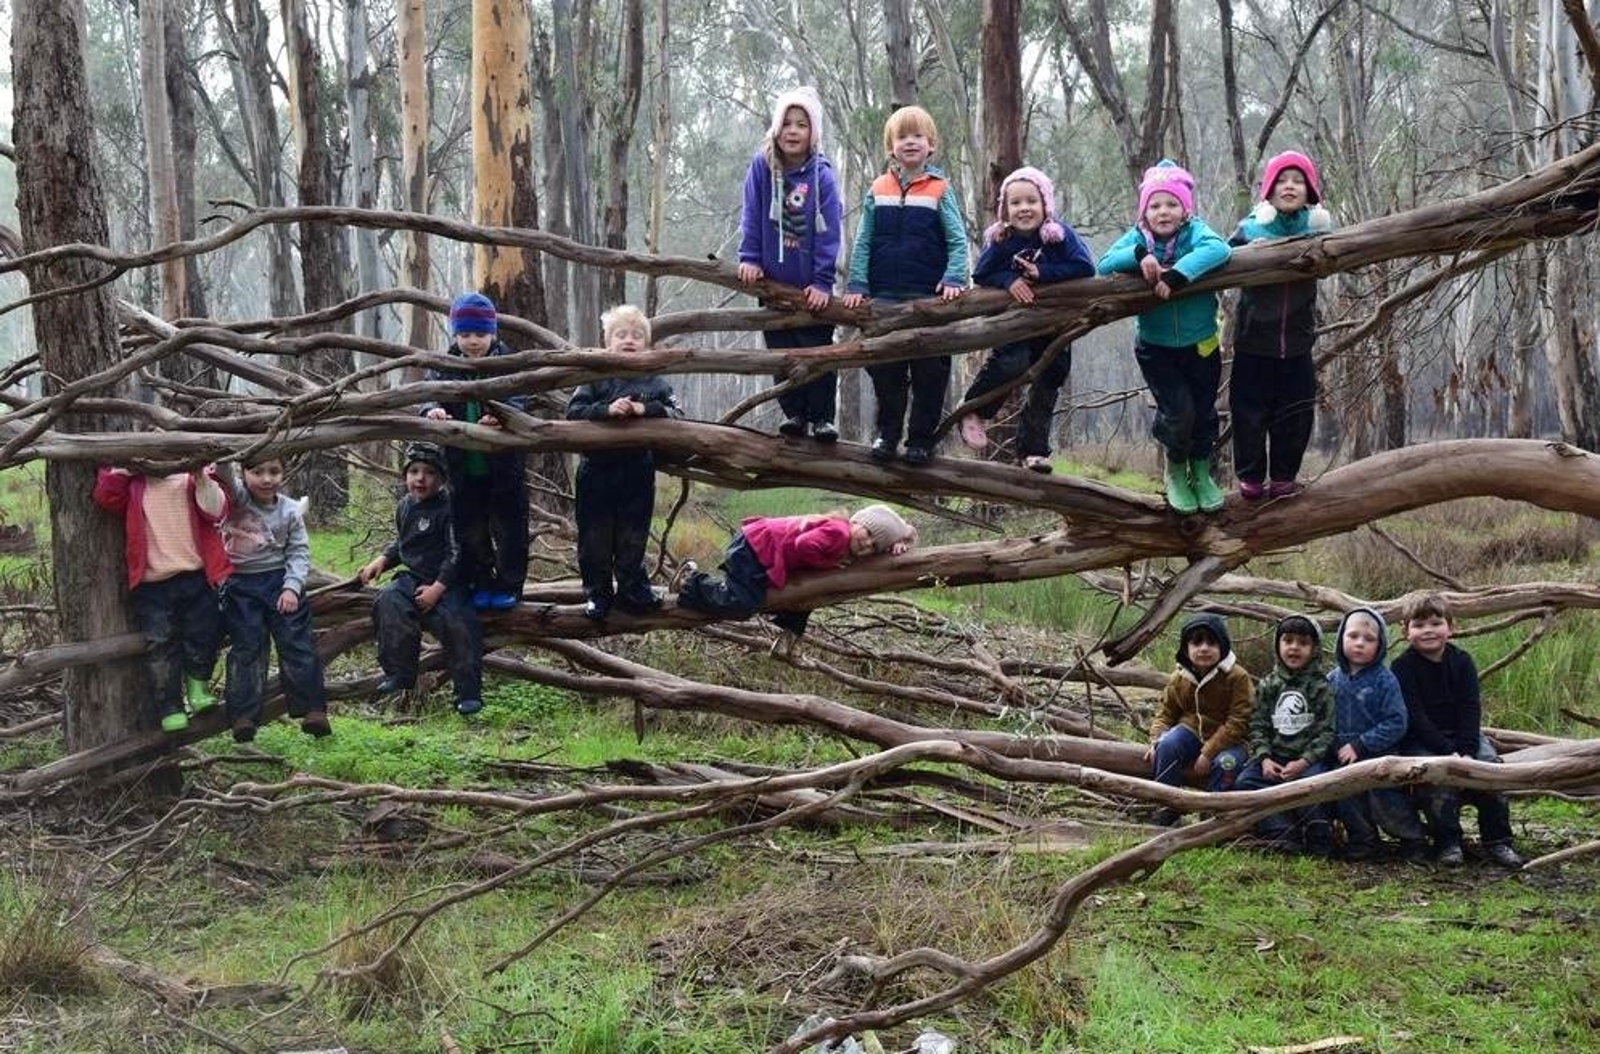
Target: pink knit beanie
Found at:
x=1167, y=177
x=1051, y=230
x=808, y=100
x=1292, y=159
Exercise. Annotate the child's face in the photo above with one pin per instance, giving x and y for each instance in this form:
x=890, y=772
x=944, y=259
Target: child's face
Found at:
x=860, y=540
x=1360, y=643
x=912, y=150
x=1289, y=191
x=1429, y=634
x=1024, y=207
x=627, y=337
x=1163, y=214
x=1204, y=652
x=422, y=480
x=1295, y=650
x=264, y=480
x=794, y=135
x=473, y=345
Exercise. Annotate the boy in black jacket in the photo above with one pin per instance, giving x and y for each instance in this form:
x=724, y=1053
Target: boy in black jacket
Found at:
x=427, y=594
x=488, y=492
x=616, y=489
x=1444, y=711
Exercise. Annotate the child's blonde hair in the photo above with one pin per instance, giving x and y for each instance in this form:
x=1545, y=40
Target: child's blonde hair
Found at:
x=906, y=121
x=624, y=313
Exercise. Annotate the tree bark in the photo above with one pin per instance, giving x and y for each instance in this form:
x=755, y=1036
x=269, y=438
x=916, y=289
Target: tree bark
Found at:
x=572, y=106
x=246, y=35
x=59, y=200
x=660, y=146
x=902, y=54
x=185, y=137
x=162, y=177
x=1002, y=93
x=557, y=271
x=363, y=170
x=415, y=124
x=324, y=261
x=624, y=118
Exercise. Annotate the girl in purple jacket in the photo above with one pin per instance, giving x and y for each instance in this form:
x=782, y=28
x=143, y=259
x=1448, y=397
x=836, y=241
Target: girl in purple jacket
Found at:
x=789, y=233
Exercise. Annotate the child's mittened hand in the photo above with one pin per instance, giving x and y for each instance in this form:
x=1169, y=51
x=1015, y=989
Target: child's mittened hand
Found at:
x=817, y=299
x=950, y=292
x=1347, y=755
x=1021, y=291
x=436, y=414
x=853, y=299
x=288, y=602
x=749, y=272
x=1150, y=269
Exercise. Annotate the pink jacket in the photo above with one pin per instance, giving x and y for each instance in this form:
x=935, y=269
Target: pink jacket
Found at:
x=785, y=544
x=124, y=493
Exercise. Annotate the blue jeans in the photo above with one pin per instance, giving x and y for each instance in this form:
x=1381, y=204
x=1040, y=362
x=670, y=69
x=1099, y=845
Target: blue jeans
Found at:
x=1442, y=807
x=182, y=632
x=1178, y=748
x=1280, y=824
x=1384, y=808
x=452, y=620
x=250, y=611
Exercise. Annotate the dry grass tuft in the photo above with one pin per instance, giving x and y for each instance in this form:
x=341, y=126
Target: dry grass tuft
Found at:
x=45, y=942
x=403, y=982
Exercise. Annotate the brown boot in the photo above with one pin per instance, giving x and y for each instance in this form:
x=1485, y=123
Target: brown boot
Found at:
x=315, y=723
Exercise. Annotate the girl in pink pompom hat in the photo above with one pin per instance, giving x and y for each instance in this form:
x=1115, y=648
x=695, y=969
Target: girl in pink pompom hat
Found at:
x=1273, y=396
x=1027, y=245
x=1176, y=344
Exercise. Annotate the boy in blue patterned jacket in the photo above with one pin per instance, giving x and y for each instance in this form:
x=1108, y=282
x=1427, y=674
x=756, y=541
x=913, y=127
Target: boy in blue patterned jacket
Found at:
x=1369, y=721
x=1177, y=342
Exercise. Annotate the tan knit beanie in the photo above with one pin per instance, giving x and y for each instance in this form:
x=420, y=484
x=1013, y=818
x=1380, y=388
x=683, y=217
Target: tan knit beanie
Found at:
x=885, y=527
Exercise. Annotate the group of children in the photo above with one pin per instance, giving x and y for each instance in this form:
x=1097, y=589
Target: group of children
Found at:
x=912, y=244
x=1300, y=722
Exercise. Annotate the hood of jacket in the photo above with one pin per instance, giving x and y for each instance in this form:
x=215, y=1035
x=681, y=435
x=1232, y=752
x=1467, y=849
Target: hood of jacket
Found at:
x=1383, y=639
x=1218, y=628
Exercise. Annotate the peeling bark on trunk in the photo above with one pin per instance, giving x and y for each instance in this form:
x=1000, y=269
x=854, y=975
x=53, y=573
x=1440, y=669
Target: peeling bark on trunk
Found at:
x=162, y=179
x=1002, y=92
x=572, y=107
x=660, y=146
x=902, y=55
x=625, y=117
x=59, y=200
x=180, y=106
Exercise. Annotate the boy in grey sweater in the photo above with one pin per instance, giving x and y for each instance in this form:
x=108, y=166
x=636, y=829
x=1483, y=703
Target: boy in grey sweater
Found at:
x=265, y=536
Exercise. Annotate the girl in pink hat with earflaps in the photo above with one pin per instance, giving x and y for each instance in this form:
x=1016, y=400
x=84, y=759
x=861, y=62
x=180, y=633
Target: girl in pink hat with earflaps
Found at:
x=1176, y=346
x=1027, y=245
x=1273, y=395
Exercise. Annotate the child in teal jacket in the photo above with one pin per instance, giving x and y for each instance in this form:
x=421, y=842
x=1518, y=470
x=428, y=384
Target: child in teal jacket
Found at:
x=1176, y=345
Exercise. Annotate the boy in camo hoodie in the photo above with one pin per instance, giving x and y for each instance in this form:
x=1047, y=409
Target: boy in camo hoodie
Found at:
x=1291, y=730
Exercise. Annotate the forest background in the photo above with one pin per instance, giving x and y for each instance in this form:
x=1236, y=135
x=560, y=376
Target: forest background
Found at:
x=636, y=128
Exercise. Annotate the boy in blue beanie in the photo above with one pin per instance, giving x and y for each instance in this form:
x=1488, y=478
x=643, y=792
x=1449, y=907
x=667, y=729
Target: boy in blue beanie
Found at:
x=488, y=491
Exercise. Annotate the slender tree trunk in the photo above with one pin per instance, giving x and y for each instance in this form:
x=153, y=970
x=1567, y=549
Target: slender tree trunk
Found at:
x=180, y=104
x=246, y=35
x=1525, y=338
x=1002, y=92
x=556, y=270
x=414, y=127
x=573, y=109
x=364, y=190
x=660, y=147
x=1230, y=95
x=625, y=118
x=162, y=182
x=323, y=259
x=59, y=200
x=902, y=54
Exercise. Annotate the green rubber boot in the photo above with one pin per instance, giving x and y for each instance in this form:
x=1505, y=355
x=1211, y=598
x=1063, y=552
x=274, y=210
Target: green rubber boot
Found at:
x=1180, y=494
x=174, y=722
x=1206, y=492
x=197, y=694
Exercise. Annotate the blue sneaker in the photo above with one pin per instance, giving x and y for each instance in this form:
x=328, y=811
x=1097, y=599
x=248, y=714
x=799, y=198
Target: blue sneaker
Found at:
x=481, y=599
x=501, y=601
x=466, y=707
